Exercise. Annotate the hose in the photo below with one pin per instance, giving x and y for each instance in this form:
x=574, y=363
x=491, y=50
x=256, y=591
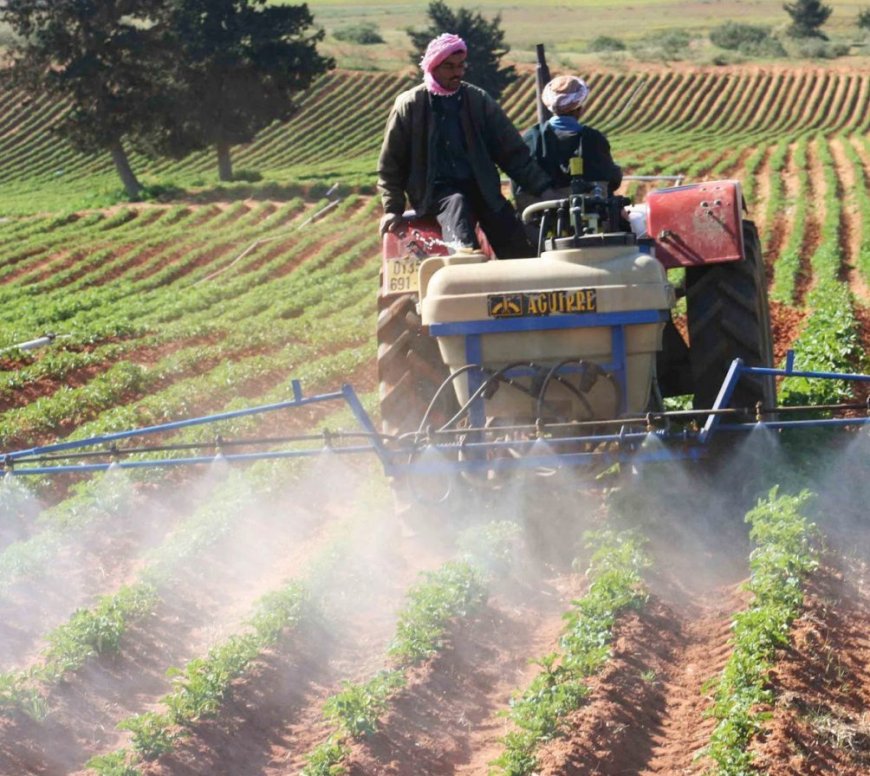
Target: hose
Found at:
x=497, y=375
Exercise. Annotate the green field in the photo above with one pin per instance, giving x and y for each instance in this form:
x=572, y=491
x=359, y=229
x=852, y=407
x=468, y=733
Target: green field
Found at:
x=565, y=28
x=225, y=620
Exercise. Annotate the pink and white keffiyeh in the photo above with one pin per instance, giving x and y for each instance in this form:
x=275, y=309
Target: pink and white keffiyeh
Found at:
x=564, y=94
x=437, y=51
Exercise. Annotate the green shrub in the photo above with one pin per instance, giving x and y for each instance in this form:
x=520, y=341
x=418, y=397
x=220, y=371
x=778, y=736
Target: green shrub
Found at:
x=749, y=39
x=732, y=35
x=247, y=176
x=815, y=48
x=365, y=34
x=665, y=46
x=864, y=19
x=358, y=707
x=113, y=764
x=769, y=47
x=606, y=43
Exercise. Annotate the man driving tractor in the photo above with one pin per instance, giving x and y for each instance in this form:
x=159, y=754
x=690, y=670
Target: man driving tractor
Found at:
x=444, y=143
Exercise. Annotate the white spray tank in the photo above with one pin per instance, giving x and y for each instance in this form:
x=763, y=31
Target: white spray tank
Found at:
x=560, y=308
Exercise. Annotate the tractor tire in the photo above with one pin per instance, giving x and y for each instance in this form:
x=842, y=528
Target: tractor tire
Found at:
x=728, y=317
x=410, y=369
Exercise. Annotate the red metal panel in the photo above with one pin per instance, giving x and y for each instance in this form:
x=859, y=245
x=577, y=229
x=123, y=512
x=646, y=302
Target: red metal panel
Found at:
x=700, y=223
x=415, y=237
x=420, y=237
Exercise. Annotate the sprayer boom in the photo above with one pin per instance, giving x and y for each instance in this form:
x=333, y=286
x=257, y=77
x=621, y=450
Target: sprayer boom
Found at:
x=458, y=445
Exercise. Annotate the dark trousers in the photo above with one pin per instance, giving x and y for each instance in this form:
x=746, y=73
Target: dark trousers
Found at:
x=458, y=211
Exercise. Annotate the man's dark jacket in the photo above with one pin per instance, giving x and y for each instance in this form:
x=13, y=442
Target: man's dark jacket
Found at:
x=491, y=139
x=552, y=149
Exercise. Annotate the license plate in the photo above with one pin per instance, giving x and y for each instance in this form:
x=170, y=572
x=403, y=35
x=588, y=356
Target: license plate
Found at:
x=400, y=276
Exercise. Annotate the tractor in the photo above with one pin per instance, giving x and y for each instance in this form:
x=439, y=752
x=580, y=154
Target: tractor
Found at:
x=581, y=334
x=575, y=345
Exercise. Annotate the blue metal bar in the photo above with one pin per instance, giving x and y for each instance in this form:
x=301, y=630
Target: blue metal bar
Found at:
x=195, y=460
x=555, y=321
x=619, y=368
x=738, y=369
x=298, y=401
x=722, y=399
x=474, y=355
x=364, y=420
x=788, y=424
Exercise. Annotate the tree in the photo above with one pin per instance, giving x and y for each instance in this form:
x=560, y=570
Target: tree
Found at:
x=235, y=67
x=95, y=55
x=485, y=41
x=864, y=18
x=807, y=17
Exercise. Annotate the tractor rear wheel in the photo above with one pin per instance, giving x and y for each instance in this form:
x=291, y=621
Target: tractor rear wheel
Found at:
x=410, y=368
x=728, y=317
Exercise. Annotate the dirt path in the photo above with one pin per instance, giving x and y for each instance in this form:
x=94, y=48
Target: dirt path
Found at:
x=646, y=714
x=758, y=208
x=815, y=216
x=779, y=231
x=822, y=683
x=700, y=649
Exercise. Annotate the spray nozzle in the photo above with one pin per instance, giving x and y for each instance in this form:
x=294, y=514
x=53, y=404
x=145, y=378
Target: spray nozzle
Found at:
x=328, y=436
x=759, y=412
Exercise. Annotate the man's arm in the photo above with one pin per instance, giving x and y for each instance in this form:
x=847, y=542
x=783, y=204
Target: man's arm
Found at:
x=393, y=162
x=510, y=152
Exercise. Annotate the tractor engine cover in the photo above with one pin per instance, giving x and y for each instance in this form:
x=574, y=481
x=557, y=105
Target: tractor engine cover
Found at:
x=697, y=224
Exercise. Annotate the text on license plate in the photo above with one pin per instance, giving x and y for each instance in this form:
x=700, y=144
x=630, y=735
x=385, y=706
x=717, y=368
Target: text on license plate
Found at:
x=401, y=276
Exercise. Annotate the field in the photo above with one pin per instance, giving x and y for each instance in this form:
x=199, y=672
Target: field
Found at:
x=569, y=28
x=279, y=618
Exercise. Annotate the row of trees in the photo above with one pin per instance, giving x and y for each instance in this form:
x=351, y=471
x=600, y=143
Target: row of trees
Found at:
x=166, y=77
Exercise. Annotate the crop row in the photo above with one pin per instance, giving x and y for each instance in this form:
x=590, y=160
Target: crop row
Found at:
x=199, y=689
x=862, y=202
x=831, y=338
x=788, y=263
x=538, y=713
x=242, y=295
x=224, y=384
x=451, y=593
x=702, y=106
x=783, y=557
x=154, y=291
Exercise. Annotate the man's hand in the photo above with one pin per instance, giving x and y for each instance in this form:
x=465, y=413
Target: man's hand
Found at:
x=389, y=222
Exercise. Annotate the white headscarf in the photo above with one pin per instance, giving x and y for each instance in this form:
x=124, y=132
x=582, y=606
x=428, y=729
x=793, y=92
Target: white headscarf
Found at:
x=564, y=94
